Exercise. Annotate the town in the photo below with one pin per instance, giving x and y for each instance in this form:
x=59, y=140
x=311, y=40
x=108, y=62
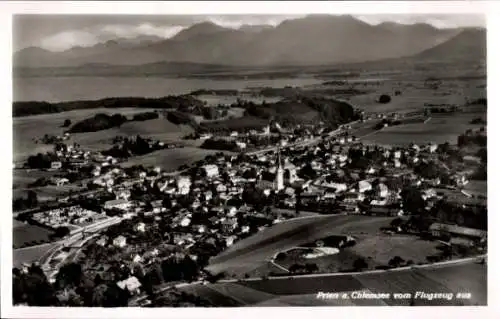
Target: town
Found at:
x=141, y=227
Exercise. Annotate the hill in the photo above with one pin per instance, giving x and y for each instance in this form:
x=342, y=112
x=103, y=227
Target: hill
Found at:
x=312, y=40
x=468, y=45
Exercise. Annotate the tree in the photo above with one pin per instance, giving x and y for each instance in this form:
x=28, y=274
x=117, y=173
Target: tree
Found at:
x=396, y=261
x=412, y=200
x=32, y=199
x=69, y=275
x=396, y=222
x=61, y=231
x=360, y=264
x=384, y=98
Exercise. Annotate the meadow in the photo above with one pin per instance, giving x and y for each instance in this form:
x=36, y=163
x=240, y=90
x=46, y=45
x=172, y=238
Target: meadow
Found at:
x=26, y=233
x=438, y=129
x=169, y=159
x=27, y=129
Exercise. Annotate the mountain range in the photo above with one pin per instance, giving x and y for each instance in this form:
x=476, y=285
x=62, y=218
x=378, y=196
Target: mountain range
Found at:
x=312, y=40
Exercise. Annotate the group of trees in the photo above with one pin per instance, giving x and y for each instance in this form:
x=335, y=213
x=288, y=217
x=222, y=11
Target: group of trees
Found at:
x=145, y=116
x=384, y=99
x=167, y=102
x=30, y=201
x=475, y=138
x=127, y=147
x=41, y=161
x=100, y=121
x=219, y=144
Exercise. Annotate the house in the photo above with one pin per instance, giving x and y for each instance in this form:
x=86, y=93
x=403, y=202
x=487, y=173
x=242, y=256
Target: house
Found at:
x=121, y=204
x=61, y=181
x=459, y=235
x=211, y=170
x=230, y=240
x=241, y=145
x=229, y=224
x=102, y=241
x=120, y=241
x=382, y=190
x=183, y=185
x=364, y=186
x=140, y=227
x=55, y=165
x=131, y=284
x=231, y=211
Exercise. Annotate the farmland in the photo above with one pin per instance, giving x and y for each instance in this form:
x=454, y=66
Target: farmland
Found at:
x=464, y=276
x=169, y=159
x=254, y=251
x=28, y=128
x=439, y=129
x=26, y=233
x=30, y=254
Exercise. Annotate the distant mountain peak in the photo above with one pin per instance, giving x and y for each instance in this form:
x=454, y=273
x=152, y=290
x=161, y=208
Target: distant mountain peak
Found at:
x=206, y=27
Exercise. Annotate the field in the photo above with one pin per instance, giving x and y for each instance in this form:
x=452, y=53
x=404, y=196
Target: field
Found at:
x=377, y=250
x=230, y=99
x=439, y=129
x=25, y=233
x=21, y=178
x=255, y=251
x=414, y=92
x=477, y=188
x=28, y=128
x=30, y=254
x=170, y=159
x=300, y=291
x=49, y=192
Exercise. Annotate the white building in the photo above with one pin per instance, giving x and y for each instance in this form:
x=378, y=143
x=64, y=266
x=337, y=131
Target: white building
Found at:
x=211, y=170
x=131, y=284
x=141, y=227
x=183, y=185
x=121, y=204
x=364, y=186
x=120, y=241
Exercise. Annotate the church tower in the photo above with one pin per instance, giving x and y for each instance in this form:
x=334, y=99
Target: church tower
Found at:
x=279, y=183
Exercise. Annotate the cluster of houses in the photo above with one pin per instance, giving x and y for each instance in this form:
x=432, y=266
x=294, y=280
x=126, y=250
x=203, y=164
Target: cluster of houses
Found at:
x=67, y=216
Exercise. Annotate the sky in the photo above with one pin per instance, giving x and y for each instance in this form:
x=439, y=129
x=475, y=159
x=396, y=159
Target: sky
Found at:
x=62, y=32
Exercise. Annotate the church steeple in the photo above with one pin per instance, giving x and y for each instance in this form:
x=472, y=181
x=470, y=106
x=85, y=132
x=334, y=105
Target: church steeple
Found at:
x=279, y=183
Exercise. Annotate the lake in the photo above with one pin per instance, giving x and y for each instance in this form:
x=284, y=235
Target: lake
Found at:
x=57, y=89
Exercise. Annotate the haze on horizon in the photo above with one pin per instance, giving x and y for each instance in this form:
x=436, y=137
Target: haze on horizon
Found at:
x=63, y=32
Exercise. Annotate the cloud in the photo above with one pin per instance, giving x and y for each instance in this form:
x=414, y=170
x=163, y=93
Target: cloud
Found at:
x=68, y=39
x=91, y=36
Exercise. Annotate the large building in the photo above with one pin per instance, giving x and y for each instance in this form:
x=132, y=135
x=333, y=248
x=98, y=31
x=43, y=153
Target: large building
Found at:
x=183, y=185
x=211, y=170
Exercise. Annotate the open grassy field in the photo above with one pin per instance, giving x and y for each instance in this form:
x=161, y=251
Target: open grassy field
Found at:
x=49, y=192
x=381, y=248
x=415, y=93
x=30, y=254
x=21, y=178
x=459, y=277
x=25, y=233
x=255, y=251
x=170, y=159
x=477, y=188
x=26, y=129
x=230, y=99
x=439, y=129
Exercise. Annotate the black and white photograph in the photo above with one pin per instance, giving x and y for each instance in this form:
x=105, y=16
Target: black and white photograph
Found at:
x=238, y=160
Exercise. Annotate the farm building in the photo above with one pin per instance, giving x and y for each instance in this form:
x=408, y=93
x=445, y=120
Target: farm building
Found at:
x=459, y=235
